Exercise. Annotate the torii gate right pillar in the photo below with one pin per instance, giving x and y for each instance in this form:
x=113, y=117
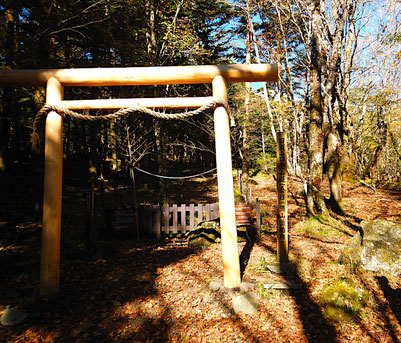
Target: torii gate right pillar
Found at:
x=231, y=266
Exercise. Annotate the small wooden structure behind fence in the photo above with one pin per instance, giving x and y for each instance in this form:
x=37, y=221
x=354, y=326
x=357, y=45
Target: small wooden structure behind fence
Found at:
x=158, y=219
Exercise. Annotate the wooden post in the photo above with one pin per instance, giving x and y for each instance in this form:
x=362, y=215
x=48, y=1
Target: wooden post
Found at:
x=231, y=267
x=282, y=210
x=50, y=253
x=156, y=222
x=257, y=210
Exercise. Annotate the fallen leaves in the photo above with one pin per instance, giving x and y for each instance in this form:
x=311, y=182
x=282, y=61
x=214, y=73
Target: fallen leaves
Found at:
x=159, y=292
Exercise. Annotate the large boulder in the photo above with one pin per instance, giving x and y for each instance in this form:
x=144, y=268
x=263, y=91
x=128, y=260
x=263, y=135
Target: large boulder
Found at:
x=377, y=247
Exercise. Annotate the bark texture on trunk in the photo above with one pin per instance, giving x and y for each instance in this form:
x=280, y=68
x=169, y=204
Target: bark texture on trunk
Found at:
x=314, y=197
x=332, y=146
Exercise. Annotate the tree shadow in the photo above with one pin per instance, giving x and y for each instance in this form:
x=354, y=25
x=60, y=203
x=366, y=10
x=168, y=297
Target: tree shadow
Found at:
x=246, y=250
x=315, y=326
x=381, y=307
x=92, y=294
x=393, y=296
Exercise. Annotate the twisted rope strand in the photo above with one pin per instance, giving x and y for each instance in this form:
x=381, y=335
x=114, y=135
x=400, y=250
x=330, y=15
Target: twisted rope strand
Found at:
x=125, y=111
x=44, y=111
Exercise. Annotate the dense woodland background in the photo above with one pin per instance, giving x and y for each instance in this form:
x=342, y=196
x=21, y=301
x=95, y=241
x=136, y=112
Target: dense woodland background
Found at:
x=337, y=96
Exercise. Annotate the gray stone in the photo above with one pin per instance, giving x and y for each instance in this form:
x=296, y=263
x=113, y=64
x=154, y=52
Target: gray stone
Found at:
x=246, y=303
x=246, y=287
x=13, y=316
x=376, y=248
x=215, y=285
x=208, y=299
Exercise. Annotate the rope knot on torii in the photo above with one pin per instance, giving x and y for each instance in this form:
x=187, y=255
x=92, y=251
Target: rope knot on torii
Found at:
x=62, y=111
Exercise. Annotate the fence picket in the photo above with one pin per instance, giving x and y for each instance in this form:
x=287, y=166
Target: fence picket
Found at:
x=175, y=218
x=200, y=213
x=166, y=215
x=207, y=211
x=183, y=210
x=214, y=209
x=191, y=216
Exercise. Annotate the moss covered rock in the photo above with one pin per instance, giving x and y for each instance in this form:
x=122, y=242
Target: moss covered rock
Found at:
x=208, y=232
x=204, y=234
x=342, y=299
x=377, y=248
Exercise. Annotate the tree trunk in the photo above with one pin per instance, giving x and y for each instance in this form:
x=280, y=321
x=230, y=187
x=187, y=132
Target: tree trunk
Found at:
x=314, y=197
x=266, y=94
x=332, y=143
x=113, y=145
x=135, y=200
x=161, y=150
x=334, y=172
x=245, y=143
x=8, y=92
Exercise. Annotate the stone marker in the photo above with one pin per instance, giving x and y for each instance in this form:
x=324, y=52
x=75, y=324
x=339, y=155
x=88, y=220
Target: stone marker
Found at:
x=246, y=303
x=13, y=316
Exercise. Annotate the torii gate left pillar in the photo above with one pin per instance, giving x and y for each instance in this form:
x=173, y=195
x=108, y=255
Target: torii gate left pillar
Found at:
x=53, y=182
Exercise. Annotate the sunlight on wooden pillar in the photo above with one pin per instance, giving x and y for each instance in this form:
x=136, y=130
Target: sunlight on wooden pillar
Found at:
x=50, y=253
x=282, y=209
x=232, y=276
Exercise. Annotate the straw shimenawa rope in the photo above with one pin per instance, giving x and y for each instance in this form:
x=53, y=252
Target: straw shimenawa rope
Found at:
x=43, y=112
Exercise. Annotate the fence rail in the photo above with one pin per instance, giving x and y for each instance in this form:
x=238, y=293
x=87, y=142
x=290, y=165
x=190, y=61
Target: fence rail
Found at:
x=158, y=219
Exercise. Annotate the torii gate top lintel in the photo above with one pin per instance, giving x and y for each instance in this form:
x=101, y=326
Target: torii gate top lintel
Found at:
x=131, y=76
x=56, y=79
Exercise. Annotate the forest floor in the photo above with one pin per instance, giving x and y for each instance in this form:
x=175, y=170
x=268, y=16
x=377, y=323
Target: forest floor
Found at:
x=158, y=291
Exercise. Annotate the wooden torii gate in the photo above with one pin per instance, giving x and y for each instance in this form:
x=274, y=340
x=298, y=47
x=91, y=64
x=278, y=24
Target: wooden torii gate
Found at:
x=56, y=79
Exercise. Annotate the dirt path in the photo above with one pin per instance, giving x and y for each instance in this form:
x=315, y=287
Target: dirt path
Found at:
x=159, y=291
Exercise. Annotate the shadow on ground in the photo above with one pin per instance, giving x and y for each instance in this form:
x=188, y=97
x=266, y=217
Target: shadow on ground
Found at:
x=89, y=304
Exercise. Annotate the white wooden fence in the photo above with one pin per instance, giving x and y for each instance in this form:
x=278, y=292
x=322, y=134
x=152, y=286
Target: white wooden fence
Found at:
x=158, y=219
